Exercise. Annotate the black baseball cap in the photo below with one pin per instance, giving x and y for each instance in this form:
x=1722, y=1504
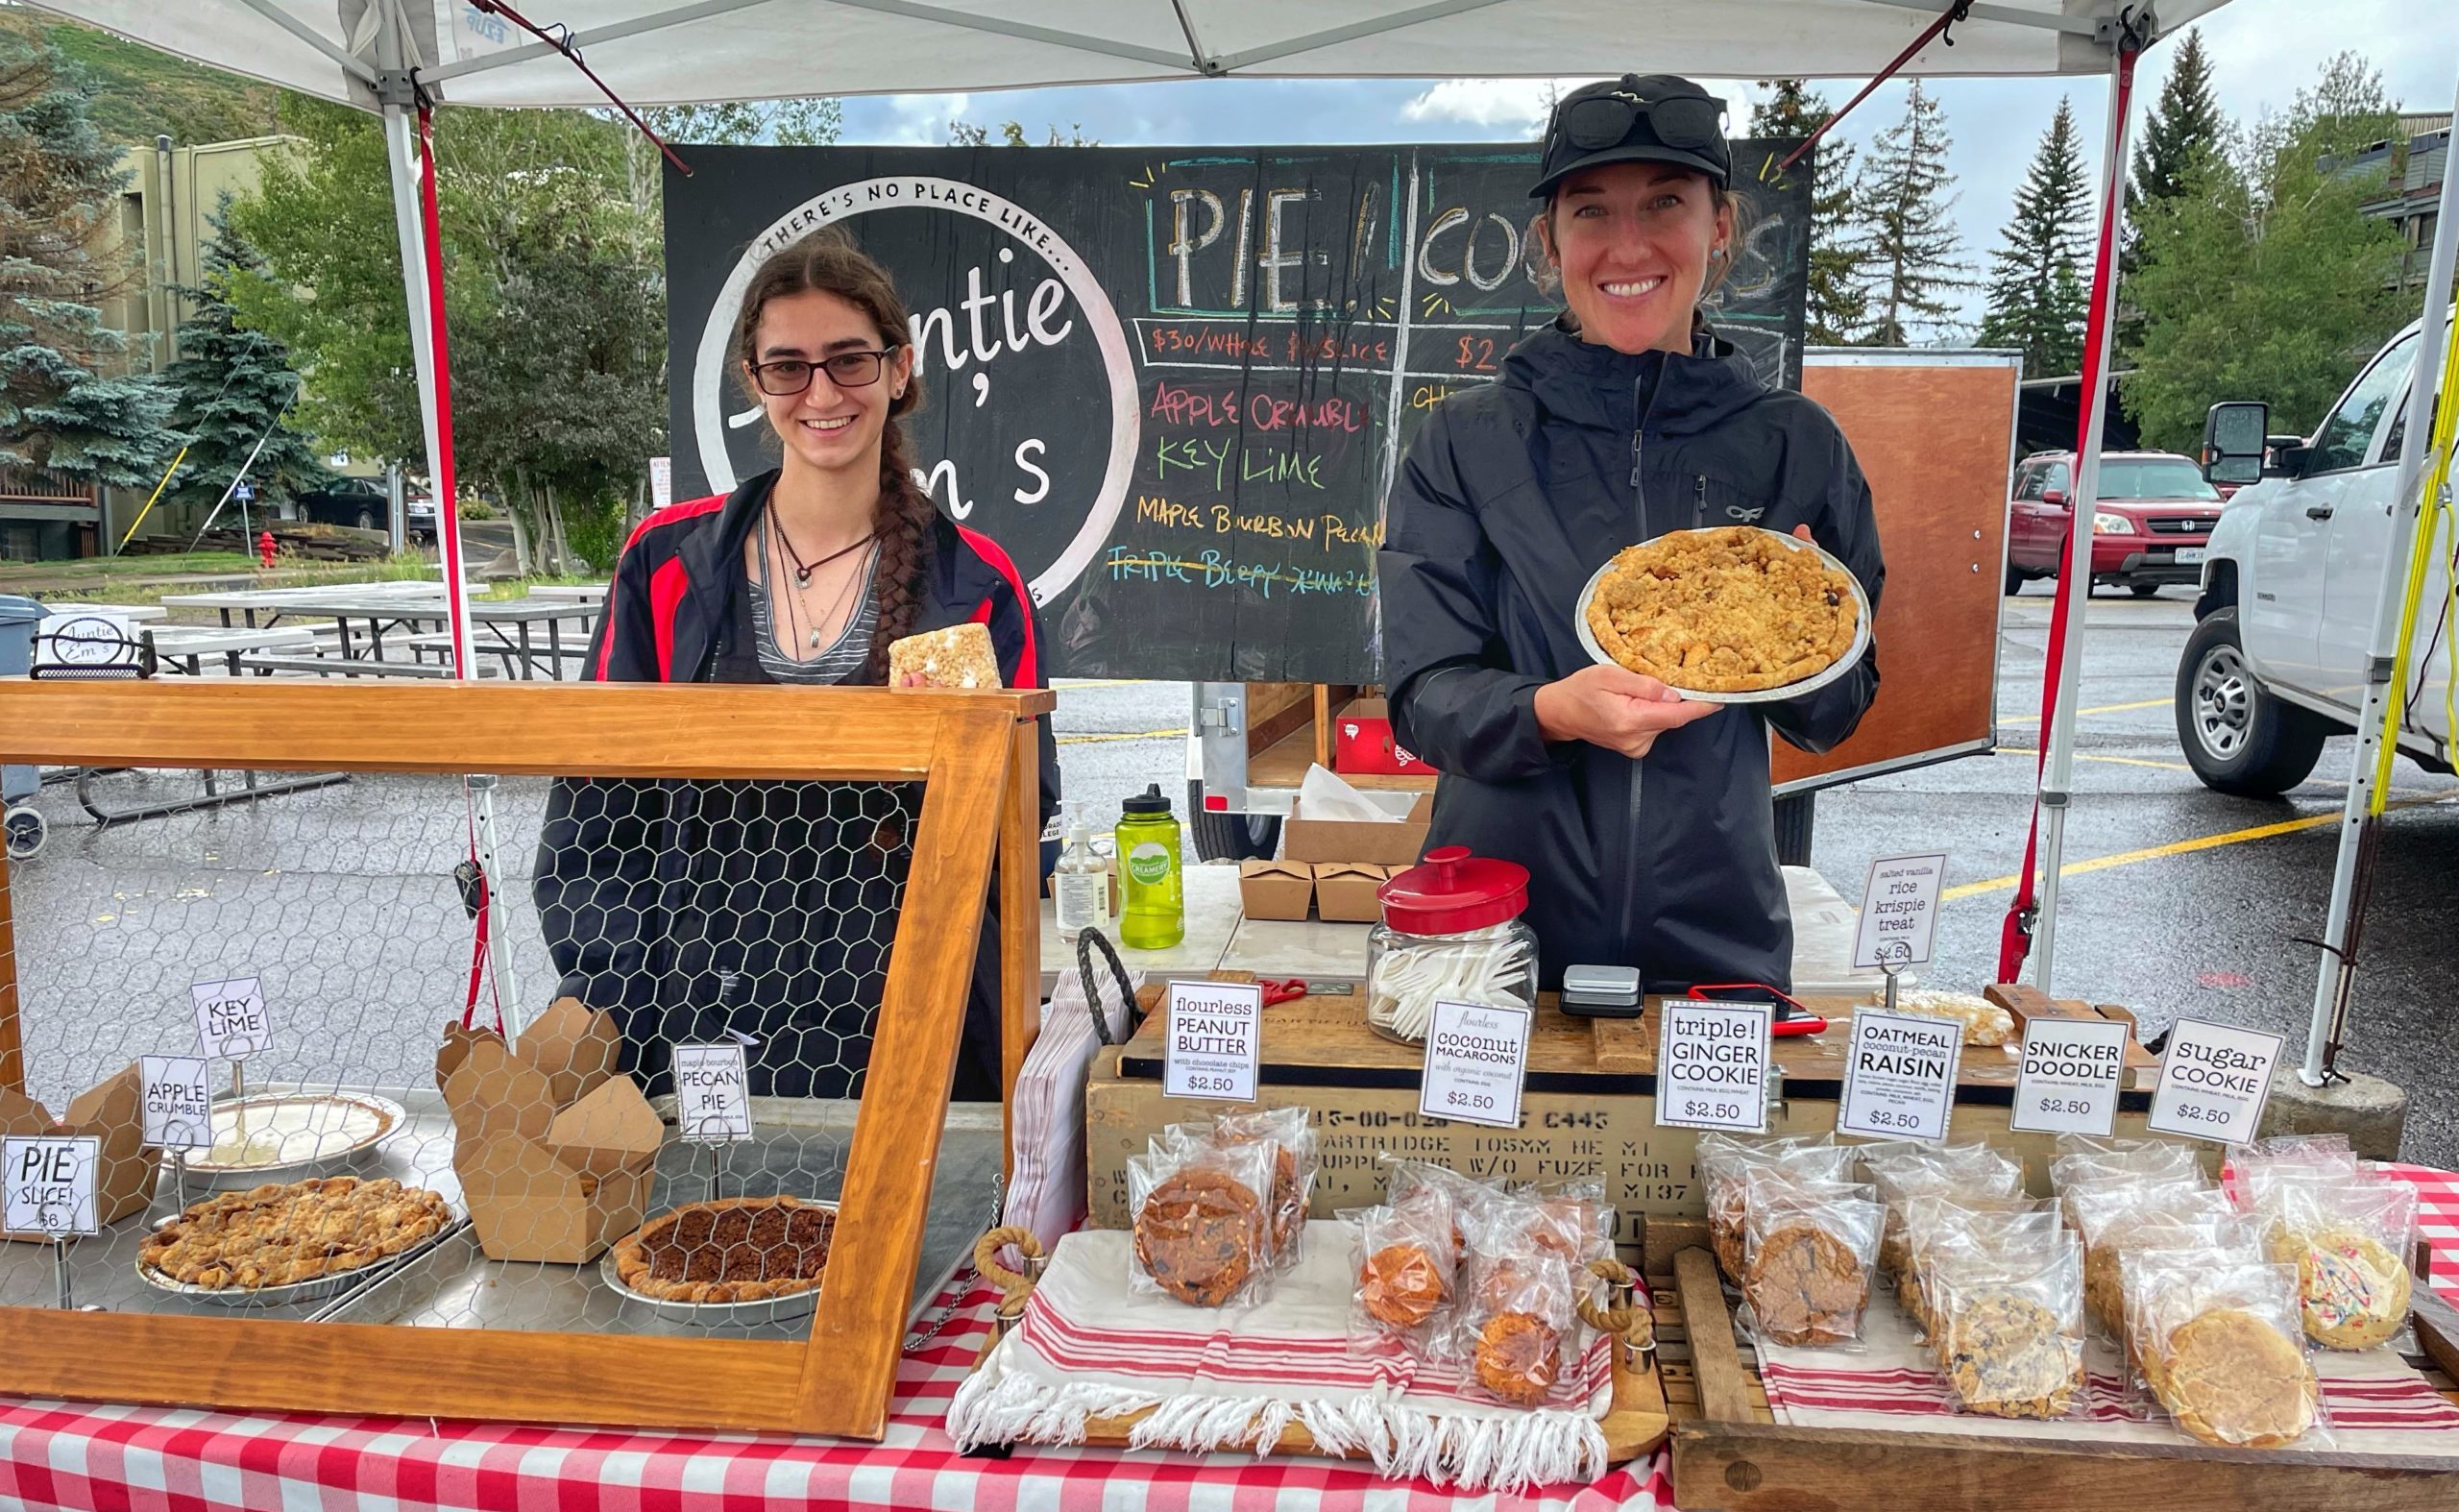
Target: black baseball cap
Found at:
x=1635, y=118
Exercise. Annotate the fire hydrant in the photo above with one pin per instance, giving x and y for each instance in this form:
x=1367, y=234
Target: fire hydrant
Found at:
x=265, y=550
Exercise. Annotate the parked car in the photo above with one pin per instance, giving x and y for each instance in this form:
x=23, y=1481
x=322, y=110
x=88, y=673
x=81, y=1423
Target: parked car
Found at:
x=2276, y=664
x=362, y=505
x=2149, y=527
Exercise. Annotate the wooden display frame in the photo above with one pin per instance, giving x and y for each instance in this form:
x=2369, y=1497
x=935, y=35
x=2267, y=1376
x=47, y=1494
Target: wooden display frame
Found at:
x=976, y=756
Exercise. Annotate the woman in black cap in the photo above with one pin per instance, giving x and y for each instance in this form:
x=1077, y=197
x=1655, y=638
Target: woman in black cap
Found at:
x=1645, y=819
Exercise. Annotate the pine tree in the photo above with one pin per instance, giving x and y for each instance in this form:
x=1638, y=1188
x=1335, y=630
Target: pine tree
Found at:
x=2184, y=123
x=1906, y=242
x=67, y=402
x=235, y=388
x=1838, y=298
x=2036, y=296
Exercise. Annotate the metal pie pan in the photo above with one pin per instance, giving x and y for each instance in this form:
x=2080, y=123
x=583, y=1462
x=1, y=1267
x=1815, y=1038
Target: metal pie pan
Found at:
x=324, y=1163
x=715, y=1314
x=1843, y=664
x=317, y=1290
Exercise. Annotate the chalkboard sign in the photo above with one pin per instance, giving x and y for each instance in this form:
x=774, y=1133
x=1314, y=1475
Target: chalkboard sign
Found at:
x=1173, y=384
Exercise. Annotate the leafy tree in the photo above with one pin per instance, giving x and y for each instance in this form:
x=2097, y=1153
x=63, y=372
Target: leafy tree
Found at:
x=2266, y=280
x=1907, y=240
x=2036, y=296
x=1012, y=134
x=1840, y=298
x=736, y=123
x=68, y=401
x=553, y=281
x=235, y=388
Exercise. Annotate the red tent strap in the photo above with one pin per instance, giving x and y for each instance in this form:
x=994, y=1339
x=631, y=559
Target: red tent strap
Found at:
x=2015, y=935
x=560, y=38
x=1937, y=29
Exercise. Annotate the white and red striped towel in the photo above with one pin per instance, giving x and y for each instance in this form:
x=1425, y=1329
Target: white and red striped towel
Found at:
x=1088, y=1347
x=2376, y=1403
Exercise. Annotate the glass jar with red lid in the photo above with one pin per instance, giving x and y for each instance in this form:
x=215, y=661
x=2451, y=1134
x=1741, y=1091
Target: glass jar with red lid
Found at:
x=1452, y=931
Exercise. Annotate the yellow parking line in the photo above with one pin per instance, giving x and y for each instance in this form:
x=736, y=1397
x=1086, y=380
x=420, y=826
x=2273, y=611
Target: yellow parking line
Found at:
x=1127, y=735
x=2107, y=708
x=2127, y=858
x=2122, y=761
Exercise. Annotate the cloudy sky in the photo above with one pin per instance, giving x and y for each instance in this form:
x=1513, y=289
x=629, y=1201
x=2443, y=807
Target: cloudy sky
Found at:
x=2262, y=51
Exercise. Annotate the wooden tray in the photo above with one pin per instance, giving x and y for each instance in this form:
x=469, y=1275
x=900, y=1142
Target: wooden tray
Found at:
x=1729, y=1455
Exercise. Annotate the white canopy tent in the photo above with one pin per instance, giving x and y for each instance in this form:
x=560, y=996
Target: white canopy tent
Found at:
x=389, y=55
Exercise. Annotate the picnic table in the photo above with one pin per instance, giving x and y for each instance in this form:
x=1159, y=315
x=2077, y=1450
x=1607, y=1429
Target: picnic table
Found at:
x=364, y=614
x=582, y=592
x=190, y=644
x=134, y=613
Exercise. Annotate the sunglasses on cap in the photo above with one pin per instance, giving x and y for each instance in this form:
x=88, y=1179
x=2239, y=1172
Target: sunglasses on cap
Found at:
x=1689, y=122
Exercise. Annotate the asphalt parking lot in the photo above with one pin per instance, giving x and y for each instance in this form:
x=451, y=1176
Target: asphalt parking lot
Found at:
x=2178, y=900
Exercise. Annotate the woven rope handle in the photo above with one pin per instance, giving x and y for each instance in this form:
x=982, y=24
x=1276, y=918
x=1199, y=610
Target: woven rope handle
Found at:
x=1013, y=1286
x=1632, y=1323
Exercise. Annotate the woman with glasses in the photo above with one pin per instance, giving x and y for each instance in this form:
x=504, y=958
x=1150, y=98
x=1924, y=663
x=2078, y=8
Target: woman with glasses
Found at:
x=762, y=912
x=1643, y=817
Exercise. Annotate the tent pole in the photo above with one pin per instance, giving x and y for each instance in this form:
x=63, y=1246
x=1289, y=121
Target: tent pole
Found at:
x=2075, y=583
x=2332, y=983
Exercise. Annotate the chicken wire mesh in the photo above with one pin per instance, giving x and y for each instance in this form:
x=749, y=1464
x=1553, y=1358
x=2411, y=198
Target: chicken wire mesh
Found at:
x=349, y=1175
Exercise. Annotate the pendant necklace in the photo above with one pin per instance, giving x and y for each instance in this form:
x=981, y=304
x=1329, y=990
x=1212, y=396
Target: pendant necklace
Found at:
x=802, y=569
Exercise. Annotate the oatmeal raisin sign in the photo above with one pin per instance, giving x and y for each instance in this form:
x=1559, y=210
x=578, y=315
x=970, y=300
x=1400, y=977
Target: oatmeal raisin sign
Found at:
x=1172, y=385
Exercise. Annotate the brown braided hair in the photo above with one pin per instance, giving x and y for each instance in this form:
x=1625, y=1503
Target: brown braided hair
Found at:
x=829, y=262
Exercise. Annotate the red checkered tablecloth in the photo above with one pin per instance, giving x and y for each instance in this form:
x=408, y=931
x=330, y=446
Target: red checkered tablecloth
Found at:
x=93, y=1458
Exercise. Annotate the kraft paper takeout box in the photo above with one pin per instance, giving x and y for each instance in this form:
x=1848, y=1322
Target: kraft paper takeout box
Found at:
x=555, y=1147
x=1274, y=889
x=1388, y=842
x=1344, y=892
x=112, y=1111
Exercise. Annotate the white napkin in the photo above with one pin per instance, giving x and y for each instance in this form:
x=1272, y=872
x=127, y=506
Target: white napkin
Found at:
x=1223, y=1377
x=1324, y=796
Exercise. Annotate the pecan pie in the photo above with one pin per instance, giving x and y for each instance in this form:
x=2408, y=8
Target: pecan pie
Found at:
x=739, y=1249
x=1731, y=609
x=278, y=1235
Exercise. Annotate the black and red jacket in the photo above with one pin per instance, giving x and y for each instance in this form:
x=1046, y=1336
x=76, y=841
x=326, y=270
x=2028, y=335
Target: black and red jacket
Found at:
x=695, y=911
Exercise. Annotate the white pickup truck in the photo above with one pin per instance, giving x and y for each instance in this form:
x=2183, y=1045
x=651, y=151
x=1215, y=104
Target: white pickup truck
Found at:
x=2277, y=662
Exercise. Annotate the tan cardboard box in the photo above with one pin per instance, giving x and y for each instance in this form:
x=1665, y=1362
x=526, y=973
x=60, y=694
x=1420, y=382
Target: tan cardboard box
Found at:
x=111, y=1111
x=1274, y=889
x=1344, y=892
x=1395, y=842
x=554, y=1149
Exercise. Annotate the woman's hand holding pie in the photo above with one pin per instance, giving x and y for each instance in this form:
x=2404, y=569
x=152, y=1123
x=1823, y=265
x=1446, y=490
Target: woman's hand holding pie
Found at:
x=1619, y=710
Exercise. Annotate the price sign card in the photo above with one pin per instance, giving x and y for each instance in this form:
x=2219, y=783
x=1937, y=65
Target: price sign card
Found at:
x=50, y=1183
x=2069, y=1079
x=712, y=1093
x=1900, y=1075
x=1899, y=911
x=1215, y=1043
x=231, y=1023
x=178, y=1102
x=1476, y=1060
x=1711, y=1064
x=2213, y=1082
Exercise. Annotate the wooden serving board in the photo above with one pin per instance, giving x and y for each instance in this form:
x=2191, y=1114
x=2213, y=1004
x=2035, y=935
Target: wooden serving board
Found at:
x=1729, y=1455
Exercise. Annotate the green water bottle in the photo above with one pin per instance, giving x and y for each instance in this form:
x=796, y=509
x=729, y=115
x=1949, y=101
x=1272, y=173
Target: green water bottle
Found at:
x=1153, y=913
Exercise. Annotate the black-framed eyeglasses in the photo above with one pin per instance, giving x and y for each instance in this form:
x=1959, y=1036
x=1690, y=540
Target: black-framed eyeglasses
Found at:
x=1688, y=122
x=788, y=375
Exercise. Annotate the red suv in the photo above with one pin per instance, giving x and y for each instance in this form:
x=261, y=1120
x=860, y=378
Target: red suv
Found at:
x=2149, y=527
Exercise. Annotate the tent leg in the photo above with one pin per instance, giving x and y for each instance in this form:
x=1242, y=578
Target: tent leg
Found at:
x=2075, y=585
x=2331, y=984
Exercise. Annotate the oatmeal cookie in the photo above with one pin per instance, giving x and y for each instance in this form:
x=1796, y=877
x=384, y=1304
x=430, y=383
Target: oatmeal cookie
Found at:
x=1731, y=609
x=2008, y=1356
x=1806, y=1286
x=2230, y=1378
x=1516, y=1359
x=1401, y=1286
x=1200, y=1234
